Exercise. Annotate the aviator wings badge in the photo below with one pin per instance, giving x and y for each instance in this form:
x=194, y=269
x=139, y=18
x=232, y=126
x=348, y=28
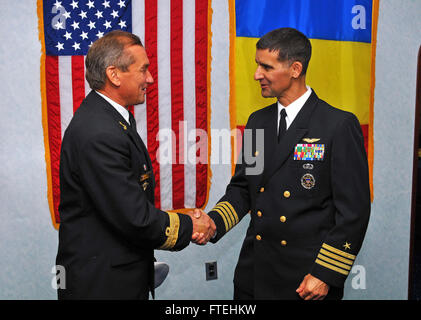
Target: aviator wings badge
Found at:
x=311, y=140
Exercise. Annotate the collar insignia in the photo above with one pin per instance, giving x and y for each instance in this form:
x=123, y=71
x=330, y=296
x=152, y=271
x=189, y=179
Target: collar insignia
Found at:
x=123, y=125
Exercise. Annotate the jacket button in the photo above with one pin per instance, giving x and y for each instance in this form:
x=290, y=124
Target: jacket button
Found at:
x=259, y=213
x=283, y=219
x=258, y=237
x=283, y=243
x=287, y=194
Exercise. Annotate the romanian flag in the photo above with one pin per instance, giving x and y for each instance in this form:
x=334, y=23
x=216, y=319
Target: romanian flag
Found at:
x=341, y=69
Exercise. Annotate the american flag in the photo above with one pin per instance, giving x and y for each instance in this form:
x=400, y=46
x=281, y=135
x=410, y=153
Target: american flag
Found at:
x=175, y=34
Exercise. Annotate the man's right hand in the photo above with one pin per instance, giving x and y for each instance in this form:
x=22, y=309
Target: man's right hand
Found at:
x=203, y=227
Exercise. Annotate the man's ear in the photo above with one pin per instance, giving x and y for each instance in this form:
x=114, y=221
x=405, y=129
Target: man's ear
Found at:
x=113, y=75
x=296, y=69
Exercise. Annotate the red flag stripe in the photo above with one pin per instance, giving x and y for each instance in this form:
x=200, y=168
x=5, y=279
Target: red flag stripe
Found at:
x=151, y=45
x=201, y=92
x=54, y=126
x=131, y=109
x=78, y=81
x=177, y=108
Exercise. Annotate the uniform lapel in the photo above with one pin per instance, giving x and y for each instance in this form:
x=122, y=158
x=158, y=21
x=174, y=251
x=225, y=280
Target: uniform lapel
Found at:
x=296, y=131
x=120, y=120
x=270, y=135
x=132, y=133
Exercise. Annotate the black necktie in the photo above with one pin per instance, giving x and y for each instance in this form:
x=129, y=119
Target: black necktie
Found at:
x=138, y=138
x=132, y=121
x=282, y=125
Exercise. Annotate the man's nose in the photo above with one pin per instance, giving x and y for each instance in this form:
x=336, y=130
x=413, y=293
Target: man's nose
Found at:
x=149, y=78
x=258, y=74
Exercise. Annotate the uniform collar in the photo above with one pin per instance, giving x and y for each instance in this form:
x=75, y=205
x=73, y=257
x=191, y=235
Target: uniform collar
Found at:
x=293, y=108
x=120, y=109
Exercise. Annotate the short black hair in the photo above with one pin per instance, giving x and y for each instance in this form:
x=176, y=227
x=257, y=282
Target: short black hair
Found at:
x=291, y=45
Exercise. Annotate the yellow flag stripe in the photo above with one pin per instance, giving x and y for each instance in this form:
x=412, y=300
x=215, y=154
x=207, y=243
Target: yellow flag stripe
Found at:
x=339, y=72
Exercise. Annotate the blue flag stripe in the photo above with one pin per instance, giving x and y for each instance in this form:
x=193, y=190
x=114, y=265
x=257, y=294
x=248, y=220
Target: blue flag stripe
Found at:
x=342, y=20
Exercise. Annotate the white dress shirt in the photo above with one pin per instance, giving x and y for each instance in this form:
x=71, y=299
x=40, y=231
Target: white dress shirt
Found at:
x=121, y=110
x=293, y=108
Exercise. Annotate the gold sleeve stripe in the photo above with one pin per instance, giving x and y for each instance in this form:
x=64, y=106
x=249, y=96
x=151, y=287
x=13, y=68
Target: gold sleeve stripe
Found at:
x=329, y=266
x=233, y=212
x=223, y=217
x=225, y=214
x=228, y=214
x=334, y=262
x=171, y=232
x=230, y=210
x=336, y=257
x=230, y=218
x=339, y=252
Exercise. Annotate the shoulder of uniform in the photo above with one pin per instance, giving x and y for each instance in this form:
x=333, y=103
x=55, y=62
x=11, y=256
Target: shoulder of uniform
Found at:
x=262, y=113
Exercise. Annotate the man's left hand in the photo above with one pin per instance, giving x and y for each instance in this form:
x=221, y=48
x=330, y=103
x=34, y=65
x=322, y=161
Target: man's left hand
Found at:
x=312, y=288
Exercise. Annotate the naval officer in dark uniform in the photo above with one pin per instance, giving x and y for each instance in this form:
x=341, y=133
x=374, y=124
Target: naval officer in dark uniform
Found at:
x=310, y=205
x=109, y=225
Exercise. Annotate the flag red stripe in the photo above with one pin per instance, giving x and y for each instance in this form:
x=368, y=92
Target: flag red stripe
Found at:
x=54, y=126
x=201, y=34
x=151, y=45
x=177, y=107
x=131, y=109
x=78, y=81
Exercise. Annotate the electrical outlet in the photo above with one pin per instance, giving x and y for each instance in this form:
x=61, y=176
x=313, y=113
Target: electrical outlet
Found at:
x=211, y=271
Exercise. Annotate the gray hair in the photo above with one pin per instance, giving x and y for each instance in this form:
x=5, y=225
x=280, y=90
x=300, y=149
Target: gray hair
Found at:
x=109, y=51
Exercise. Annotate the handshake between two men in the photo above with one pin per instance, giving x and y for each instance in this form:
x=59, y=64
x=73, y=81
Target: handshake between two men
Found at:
x=203, y=226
